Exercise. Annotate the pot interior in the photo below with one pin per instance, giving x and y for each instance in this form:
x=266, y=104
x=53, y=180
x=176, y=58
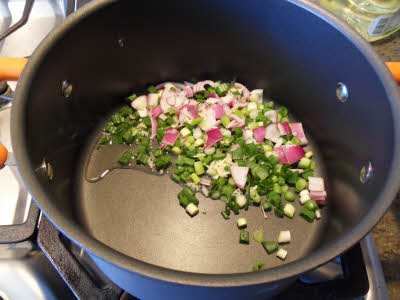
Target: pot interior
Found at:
x=296, y=57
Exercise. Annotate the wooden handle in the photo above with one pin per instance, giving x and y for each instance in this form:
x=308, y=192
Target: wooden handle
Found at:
x=11, y=68
x=394, y=67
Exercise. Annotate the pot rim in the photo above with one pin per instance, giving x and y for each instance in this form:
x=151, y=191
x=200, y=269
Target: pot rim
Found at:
x=106, y=253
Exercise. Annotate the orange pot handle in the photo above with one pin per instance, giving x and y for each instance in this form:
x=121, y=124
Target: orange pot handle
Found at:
x=394, y=67
x=11, y=68
x=3, y=155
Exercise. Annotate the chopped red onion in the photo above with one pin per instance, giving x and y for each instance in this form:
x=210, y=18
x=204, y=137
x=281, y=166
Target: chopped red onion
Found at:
x=281, y=154
x=272, y=115
x=140, y=103
x=259, y=134
x=239, y=175
x=162, y=117
x=297, y=131
x=212, y=95
x=154, y=126
x=243, y=90
x=219, y=110
x=293, y=153
x=284, y=128
x=188, y=91
x=213, y=136
x=156, y=111
x=170, y=136
x=316, y=184
x=272, y=133
x=200, y=86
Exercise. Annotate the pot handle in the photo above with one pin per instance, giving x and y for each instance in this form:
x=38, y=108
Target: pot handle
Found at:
x=3, y=156
x=394, y=67
x=11, y=68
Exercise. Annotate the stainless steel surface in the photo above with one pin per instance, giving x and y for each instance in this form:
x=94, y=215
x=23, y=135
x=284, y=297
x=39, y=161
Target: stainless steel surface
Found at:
x=21, y=22
x=30, y=276
x=45, y=15
x=377, y=285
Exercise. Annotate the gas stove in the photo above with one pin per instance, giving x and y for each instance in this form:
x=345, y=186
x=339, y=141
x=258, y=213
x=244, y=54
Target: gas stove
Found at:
x=39, y=262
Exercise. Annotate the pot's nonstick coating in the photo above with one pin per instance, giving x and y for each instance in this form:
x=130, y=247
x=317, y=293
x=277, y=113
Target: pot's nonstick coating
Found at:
x=139, y=215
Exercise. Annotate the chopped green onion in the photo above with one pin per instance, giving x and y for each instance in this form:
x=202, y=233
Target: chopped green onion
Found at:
x=254, y=195
x=176, y=178
x=259, y=266
x=308, y=215
x=289, y=196
x=267, y=148
x=274, y=198
x=196, y=121
x=104, y=140
x=267, y=206
x=215, y=195
x=270, y=246
x=301, y=184
x=309, y=154
x=152, y=90
x=304, y=163
x=162, y=162
x=225, y=121
x=311, y=205
x=284, y=237
x=199, y=168
x=158, y=153
x=176, y=150
x=117, y=139
x=192, y=209
x=258, y=235
x=195, y=178
x=312, y=165
x=199, y=142
x=295, y=141
x=209, y=151
x=125, y=158
x=277, y=189
x=185, y=131
x=242, y=222
x=289, y=210
x=244, y=237
x=282, y=253
x=278, y=210
x=284, y=188
x=225, y=215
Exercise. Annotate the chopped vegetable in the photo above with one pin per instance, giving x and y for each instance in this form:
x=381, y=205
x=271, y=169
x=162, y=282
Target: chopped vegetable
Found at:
x=258, y=235
x=289, y=196
x=284, y=237
x=192, y=209
x=125, y=158
x=282, y=253
x=308, y=215
x=223, y=141
x=259, y=266
x=289, y=210
x=244, y=237
x=242, y=222
x=270, y=246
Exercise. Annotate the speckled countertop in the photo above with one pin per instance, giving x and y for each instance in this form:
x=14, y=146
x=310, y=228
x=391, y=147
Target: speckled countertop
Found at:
x=387, y=232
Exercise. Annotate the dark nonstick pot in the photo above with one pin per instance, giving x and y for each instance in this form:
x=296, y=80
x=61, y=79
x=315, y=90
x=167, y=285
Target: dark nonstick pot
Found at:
x=130, y=222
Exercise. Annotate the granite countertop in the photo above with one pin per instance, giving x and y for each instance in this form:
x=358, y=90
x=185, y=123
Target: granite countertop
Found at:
x=387, y=232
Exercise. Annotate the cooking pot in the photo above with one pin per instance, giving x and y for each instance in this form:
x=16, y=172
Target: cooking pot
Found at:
x=130, y=222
